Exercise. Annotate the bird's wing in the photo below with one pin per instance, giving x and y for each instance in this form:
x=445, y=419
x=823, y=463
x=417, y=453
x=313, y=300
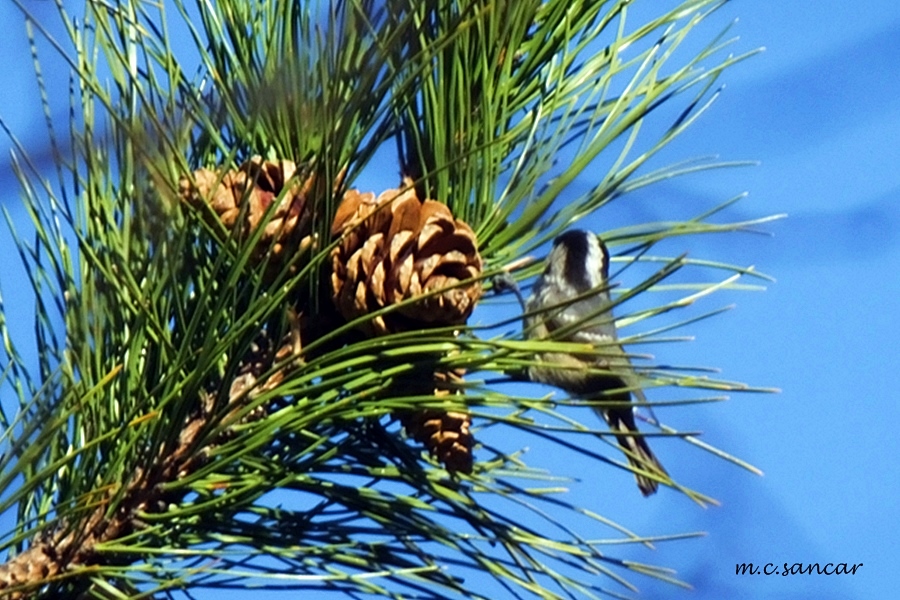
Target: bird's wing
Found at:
x=597, y=330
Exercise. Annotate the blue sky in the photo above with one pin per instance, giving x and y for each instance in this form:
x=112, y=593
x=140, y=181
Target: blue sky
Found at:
x=819, y=110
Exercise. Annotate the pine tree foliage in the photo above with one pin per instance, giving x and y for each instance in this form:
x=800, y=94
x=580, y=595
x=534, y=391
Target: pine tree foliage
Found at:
x=202, y=415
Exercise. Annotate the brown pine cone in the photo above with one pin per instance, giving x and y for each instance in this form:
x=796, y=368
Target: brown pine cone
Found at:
x=447, y=436
x=396, y=247
x=258, y=183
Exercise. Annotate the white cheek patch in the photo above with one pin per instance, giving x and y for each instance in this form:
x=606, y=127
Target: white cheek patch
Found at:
x=596, y=256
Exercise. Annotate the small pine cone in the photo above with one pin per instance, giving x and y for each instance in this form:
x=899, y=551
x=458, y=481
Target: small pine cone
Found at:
x=396, y=247
x=31, y=568
x=447, y=436
x=265, y=354
x=258, y=183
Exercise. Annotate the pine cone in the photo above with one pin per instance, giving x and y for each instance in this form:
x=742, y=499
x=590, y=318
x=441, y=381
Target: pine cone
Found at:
x=446, y=434
x=258, y=183
x=396, y=247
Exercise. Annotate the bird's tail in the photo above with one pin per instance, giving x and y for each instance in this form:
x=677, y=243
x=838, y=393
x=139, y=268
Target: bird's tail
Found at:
x=621, y=423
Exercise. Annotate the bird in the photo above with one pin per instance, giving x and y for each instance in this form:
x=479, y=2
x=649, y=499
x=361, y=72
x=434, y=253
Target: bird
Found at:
x=578, y=267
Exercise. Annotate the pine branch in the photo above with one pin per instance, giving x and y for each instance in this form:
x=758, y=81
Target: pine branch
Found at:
x=208, y=223
x=114, y=513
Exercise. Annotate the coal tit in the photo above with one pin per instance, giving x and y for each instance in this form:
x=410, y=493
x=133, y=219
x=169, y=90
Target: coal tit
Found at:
x=578, y=266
